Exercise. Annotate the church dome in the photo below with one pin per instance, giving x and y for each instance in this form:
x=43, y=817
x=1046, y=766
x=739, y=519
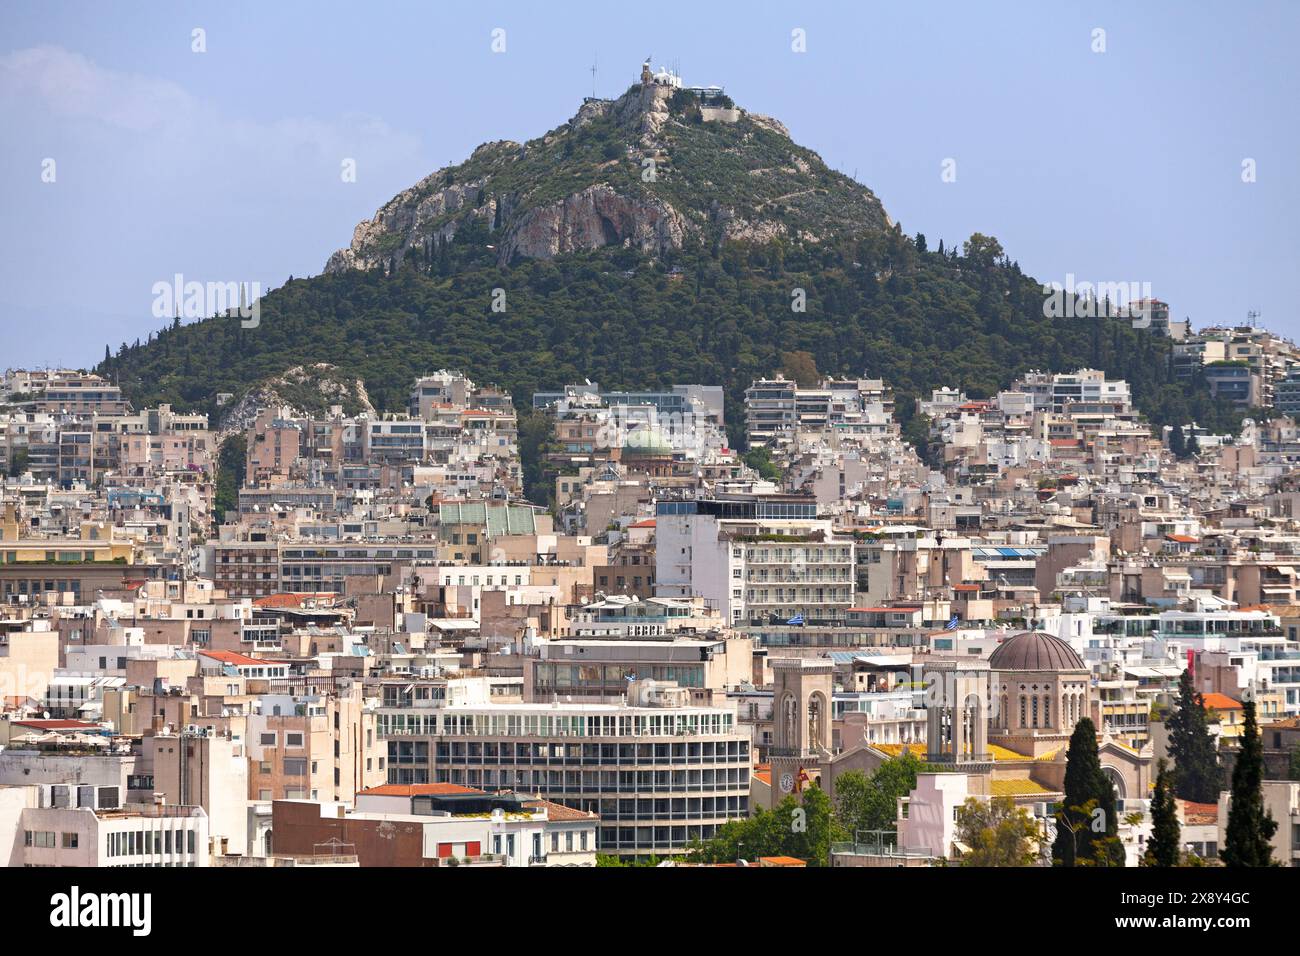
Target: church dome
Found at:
x=1035, y=651
x=647, y=441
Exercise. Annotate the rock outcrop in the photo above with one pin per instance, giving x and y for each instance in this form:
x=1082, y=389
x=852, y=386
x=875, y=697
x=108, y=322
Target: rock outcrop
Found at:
x=597, y=216
x=642, y=171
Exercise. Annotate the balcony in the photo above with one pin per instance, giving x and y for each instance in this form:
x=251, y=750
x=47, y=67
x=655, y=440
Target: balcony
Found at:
x=483, y=859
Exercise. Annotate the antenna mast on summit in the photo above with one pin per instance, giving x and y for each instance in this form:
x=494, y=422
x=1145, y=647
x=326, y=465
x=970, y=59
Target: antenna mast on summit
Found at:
x=595, y=60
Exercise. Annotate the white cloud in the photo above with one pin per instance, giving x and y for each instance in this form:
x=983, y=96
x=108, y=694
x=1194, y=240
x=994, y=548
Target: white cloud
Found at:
x=69, y=86
x=154, y=180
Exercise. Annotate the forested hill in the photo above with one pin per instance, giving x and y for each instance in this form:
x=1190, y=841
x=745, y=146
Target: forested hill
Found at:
x=557, y=264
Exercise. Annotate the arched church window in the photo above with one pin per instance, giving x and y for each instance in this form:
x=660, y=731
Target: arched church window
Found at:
x=814, y=721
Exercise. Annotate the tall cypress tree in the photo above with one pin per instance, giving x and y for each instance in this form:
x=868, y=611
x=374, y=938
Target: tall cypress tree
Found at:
x=1177, y=442
x=1166, y=835
x=1087, y=825
x=1250, y=826
x=1196, y=763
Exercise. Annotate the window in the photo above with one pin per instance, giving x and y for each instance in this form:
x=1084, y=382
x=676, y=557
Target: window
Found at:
x=268, y=740
x=294, y=740
x=69, y=841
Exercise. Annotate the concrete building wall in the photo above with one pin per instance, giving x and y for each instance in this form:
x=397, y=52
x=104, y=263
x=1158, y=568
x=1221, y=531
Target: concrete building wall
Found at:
x=210, y=772
x=27, y=662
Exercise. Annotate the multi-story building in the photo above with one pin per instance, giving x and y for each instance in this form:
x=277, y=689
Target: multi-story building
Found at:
x=754, y=558
x=659, y=772
x=86, y=826
x=314, y=747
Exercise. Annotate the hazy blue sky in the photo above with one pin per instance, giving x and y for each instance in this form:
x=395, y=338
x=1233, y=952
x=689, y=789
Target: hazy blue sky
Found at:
x=225, y=165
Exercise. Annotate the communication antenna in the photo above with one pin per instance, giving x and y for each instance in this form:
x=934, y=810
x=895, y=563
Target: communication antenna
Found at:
x=595, y=61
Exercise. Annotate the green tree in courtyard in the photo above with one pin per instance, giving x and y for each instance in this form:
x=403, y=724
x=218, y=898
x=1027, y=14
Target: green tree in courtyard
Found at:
x=1164, y=847
x=1250, y=825
x=1196, y=763
x=1087, y=823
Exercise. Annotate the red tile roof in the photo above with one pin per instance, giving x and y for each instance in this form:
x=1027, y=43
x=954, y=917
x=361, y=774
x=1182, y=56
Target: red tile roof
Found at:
x=293, y=598
x=1199, y=813
x=40, y=724
x=1220, y=702
x=558, y=811
x=238, y=660
x=418, y=790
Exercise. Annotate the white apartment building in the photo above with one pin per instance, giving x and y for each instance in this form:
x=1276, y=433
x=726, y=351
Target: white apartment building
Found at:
x=754, y=558
x=64, y=826
x=659, y=772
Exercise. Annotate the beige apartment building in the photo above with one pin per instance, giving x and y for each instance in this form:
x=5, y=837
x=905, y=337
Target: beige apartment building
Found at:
x=207, y=770
x=314, y=747
x=28, y=659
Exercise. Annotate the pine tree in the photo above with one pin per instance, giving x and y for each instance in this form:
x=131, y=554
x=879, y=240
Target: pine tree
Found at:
x=1087, y=824
x=1166, y=835
x=1196, y=765
x=1250, y=825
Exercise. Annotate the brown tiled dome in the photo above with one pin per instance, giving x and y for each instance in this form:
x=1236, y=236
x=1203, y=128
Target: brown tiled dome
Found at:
x=1035, y=651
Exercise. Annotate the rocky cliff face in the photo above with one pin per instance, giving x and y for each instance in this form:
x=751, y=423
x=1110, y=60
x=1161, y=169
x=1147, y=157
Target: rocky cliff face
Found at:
x=644, y=171
x=305, y=389
x=597, y=216
x=413, y=217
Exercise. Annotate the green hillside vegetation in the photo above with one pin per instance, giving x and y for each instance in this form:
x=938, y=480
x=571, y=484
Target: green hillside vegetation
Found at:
x=711, y=173
x=878, y=302
x=877, y=306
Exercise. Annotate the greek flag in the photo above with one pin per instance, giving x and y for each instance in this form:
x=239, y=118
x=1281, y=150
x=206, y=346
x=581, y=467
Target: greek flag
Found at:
x=952, y=624
x=797, y=619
